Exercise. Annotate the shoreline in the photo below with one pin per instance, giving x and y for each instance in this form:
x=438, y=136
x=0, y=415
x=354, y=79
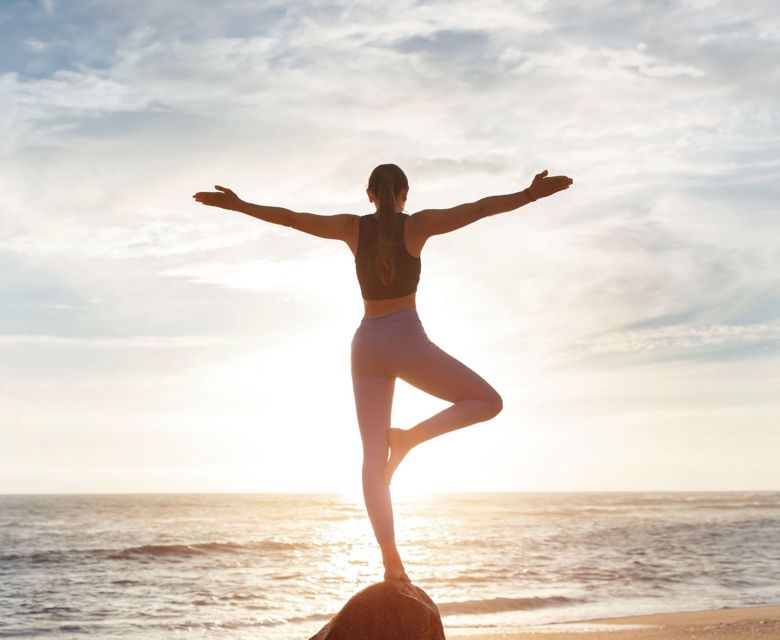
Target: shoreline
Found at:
x=759, y=622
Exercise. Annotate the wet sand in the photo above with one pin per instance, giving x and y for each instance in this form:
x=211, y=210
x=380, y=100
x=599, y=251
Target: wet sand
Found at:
x=742, y=623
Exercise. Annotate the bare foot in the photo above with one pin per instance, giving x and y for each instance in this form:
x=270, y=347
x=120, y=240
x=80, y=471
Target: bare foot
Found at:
x=400, y=444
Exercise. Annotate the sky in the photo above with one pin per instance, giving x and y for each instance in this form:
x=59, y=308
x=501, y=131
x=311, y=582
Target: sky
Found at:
x=631, y=323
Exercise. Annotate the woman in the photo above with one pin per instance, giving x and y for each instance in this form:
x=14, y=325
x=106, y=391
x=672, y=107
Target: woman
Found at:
x=390, y=342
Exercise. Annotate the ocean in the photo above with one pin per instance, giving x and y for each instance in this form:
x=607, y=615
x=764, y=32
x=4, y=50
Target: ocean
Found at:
x=279, y=566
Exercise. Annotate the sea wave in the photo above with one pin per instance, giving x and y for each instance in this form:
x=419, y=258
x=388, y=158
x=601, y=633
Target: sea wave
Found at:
x=204, y=548
x=58, y=556
x=497, y=605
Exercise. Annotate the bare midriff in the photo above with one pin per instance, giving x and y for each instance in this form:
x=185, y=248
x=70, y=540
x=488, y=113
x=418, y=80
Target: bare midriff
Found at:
x=377, y=307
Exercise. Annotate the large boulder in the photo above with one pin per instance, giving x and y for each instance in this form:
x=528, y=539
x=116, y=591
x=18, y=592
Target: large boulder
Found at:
x=389, y=610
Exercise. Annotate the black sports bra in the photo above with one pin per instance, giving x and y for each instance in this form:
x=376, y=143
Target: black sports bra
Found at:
x=407, y=266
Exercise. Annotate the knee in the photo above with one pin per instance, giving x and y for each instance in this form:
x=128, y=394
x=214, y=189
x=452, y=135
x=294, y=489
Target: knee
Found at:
x=495, y=404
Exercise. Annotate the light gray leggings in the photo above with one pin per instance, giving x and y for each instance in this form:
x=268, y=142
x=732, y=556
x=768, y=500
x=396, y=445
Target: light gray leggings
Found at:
x=395, y=345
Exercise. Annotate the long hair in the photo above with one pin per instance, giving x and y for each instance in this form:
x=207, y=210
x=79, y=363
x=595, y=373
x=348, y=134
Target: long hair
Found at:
x=386, y=183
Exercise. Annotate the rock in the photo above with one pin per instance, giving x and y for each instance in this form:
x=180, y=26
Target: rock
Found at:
x=389, y=610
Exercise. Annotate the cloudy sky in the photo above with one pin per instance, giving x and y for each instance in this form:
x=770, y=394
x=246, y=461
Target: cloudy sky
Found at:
x=631, y=323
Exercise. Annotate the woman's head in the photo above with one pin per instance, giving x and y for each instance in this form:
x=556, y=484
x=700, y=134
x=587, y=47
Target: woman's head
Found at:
x=387, y=188
x=384, y=180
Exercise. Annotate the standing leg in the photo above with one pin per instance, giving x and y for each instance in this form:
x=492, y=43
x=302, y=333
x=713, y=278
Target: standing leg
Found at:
x=434, y=371
x=373, y=403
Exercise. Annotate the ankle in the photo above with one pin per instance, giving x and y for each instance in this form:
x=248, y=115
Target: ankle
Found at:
x=417, y=435
x=390, y=555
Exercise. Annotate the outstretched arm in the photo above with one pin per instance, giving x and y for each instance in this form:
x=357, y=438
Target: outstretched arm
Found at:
x=431, y=222
x=335, y=227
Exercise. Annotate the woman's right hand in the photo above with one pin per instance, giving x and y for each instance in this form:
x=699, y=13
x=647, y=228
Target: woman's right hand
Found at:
x=223, y=198
x=543, y=186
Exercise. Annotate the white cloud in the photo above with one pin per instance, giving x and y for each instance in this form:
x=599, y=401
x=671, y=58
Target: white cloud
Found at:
x=681, y=338
x=125, y=342
x=314, y=276
x=35, y=45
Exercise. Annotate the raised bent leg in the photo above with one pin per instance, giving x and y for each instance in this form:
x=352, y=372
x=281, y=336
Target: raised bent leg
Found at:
x=436, y=372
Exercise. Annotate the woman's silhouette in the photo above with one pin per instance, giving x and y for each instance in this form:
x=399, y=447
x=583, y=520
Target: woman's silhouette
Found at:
x=390, y=342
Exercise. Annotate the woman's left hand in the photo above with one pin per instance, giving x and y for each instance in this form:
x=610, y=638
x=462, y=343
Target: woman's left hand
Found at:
x=544, y=186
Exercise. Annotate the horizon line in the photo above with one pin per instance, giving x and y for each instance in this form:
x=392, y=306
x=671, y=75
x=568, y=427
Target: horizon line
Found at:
x=422, y=493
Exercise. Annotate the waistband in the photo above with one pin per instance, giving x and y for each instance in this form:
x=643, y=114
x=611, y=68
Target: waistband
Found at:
x=391, y=315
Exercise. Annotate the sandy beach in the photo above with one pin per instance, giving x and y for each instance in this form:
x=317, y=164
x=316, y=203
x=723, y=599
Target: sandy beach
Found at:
x=720, y=624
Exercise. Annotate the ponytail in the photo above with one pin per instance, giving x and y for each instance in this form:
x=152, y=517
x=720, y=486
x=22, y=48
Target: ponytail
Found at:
x=385, y=256
x=386, y=182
